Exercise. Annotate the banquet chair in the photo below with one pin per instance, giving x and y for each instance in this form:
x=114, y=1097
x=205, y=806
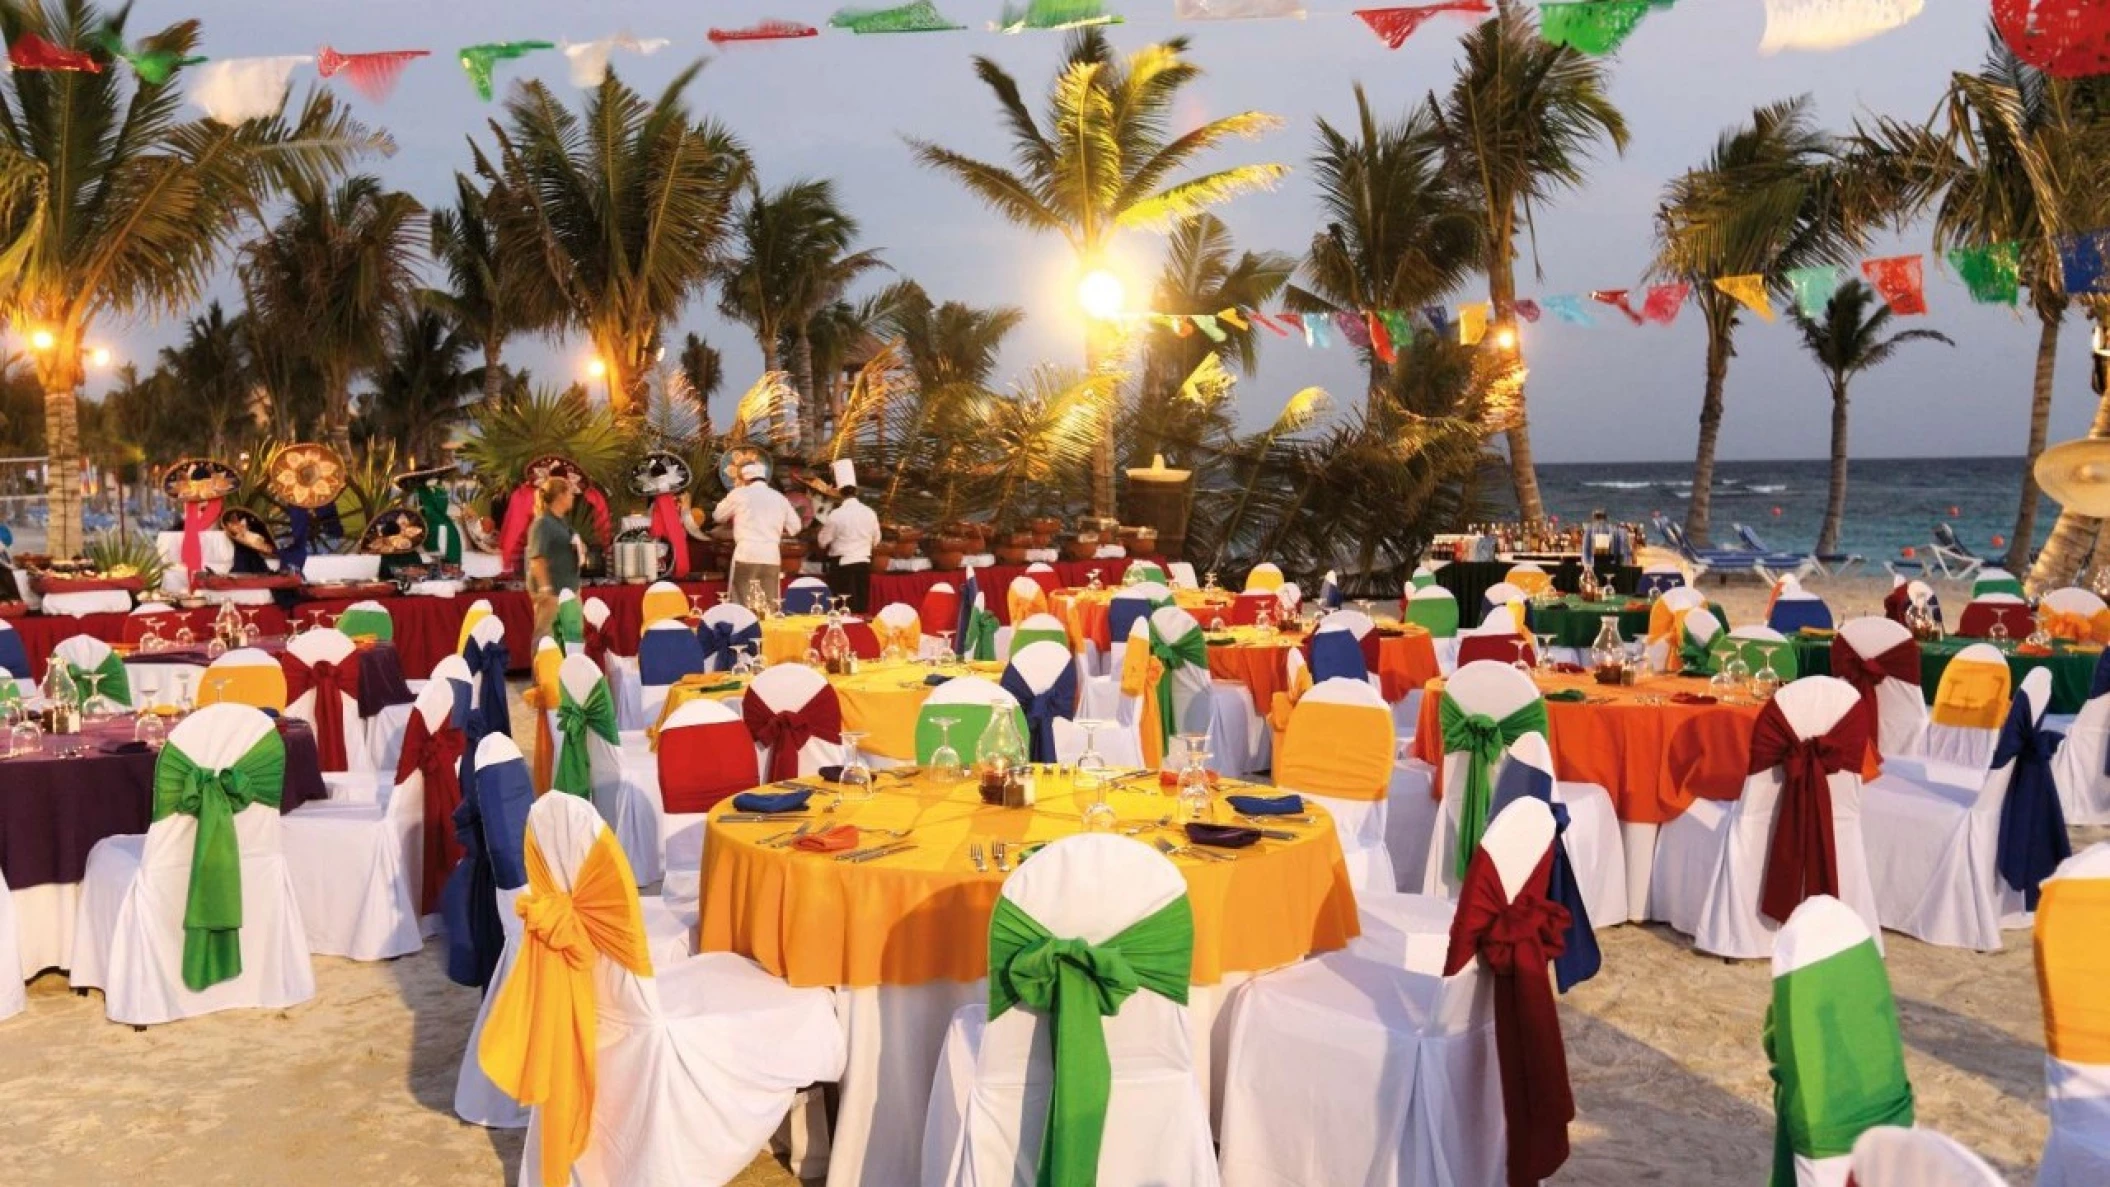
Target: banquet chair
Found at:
x=624, y=683
x=1265, y=577
x=541, y=697
x=486, y=654
x=1995, y=581
x=666, y=651
x=1329, y=590
x=1905, y=595
x=1796, y=609
x=1200, y=703
x=664, y=600
x=1689, y=646
x=1502, y=594
x=1529, y=578
x=14, y=997
x=708, y=1037
x=2082, y=765
x=806, y=595
x=1181, y=575
x=1668, y=618
x=797, y=721
x=1345, y=1069
x=2072, y=919
x=1881, y=659
x=1128, y=606
x=1838, y=1064
x=129, y=938
x=994, y=1099
x=1714, y=865
x=1289, y=599
x=596, y=763
x=940, y=614
x=1894, y=1156
x=1039, y=627
x=1423, y=577
x=495, y=872
x=568, y=628
x=1336, y=652
x=898, y=624
x=1935, y=852
x=1337, y=749
x=1143, y=570
x=706, y=754
x=724, y=632
x=1042, y=678
x=1497, y=640
x=1023, y=599
x=1590, y=830
x=1120, y=740
x=244, y=676
x=1660, y=579
x=13, y=656
x=322, y=689
x=967, y=701
x=368, y=618
x=1756, y=646
x=2074, y=615
x=2008, y=610
x=156, y=618
x=1435, y=610
x=357, y=867
x=435, y=756
x=477, y=612
x=1964, y=723
x=91, y=661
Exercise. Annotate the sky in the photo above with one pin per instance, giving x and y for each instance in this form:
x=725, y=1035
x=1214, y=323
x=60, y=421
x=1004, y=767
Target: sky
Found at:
x=840, y=106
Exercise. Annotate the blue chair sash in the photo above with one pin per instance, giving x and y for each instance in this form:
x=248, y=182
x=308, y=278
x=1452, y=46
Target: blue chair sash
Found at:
x=1792, y=614
x=12, y=655
x=1660, y=583
x=1337, y=654
x=1042, y=708
x=722, y=644
x=2033, y=837
x=964, y=619
x=1580, y=958
x=1330, y=595
x=806, y=599
x=1122, y=614
x=487, y=662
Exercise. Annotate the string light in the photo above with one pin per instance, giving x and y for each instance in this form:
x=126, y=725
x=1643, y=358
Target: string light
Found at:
x=596, y=367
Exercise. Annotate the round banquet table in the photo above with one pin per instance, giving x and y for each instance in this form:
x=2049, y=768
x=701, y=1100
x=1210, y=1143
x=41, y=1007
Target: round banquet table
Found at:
x=2072, y=665
x=992, y=580
x=1574, y=623
x=1654, y=755
x=381, y=682
x=880, y=700
x=786, y=640
x=1082, y=610
x=904, y=939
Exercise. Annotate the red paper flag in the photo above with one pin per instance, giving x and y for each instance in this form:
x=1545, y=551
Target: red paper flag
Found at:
x=1380, y=338
x=1663, y=303
x=1616, y=298
x=1899, y=281
x=2065, y=38
x=31, y=52
x=1262, y=319
x=373, y=74
x=764, y=31
x=1528, y=310
x=1394, y=25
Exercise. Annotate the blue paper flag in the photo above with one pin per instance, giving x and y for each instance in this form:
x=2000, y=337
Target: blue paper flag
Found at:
x=1569, y=310
x=2082, y=257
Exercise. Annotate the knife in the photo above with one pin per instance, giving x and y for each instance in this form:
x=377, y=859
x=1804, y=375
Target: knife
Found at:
x=882, y=851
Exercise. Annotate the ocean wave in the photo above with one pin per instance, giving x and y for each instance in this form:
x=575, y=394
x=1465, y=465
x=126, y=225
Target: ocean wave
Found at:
x=1767, y=490
x=1621, y=485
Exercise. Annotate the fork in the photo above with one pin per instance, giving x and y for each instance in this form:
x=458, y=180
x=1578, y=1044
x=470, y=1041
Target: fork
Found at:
x=974, y=854
x=1003, y=857
x=784, y=840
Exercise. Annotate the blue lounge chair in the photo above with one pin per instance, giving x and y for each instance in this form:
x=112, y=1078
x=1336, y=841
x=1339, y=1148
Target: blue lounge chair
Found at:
x=1829, y=564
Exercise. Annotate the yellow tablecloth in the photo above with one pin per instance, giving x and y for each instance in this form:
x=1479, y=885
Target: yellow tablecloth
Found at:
x=923, y=915
x=880, y=700
x=786, y=640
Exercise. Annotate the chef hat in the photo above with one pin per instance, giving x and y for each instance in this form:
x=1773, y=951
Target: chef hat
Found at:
x=845, y=472
x=752, y=471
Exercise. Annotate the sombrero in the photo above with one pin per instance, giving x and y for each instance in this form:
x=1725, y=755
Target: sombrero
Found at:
x=730, y=462
x=482, y=532
x=246, y=528
x=308, y=475
x=199, y=480
x=551, y=465
x=393, y=533
x=659, y=473
x=410, y=480
x=2077, y=474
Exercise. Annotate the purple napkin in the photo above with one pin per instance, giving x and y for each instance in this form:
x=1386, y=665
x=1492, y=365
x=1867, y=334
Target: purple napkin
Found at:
x=1222, y=836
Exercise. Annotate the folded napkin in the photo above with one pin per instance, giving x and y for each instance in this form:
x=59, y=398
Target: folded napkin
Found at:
x=1222, y=836
x=935, y=679
x=829, y=840
x=1266, y=805
x=1816, y=632
x=1170, y=777
x=1568, y=669
x=766, y=801
x=134, y=747
x=1224, y=642
x=1694, y=698
x=1568, y=695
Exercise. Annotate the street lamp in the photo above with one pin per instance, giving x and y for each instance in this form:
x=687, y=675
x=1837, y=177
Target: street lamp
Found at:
x=1506, y=338
x=1101, y=295
x=99, y=357
x=42, y=339
x=596, y=367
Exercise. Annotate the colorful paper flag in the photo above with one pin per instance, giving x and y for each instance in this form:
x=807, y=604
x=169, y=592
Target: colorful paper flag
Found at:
x=1993, y=273
x=374, y=74
x=1749, y=292
x=1617, y=299
x=1394, y=25
x=1380, y=338
x=31, y=52
x=1898, y=279
x=1595, y=27
x=1569, y=310
x=922, y=16
x=1813, y=287
x=1832, y=24
x=477, y=60
x=1235, y=10
x=1439, y=319
x=1663, y=302
x=1528, y=310
x=2082, y=262
x=1352, y=328
x=1053, y=14
x=1206, y=323
x=234, y=90
x=589, y=59
x=2063, y=38
x=156, y=66
x=769, y=30
x=1472, y=322
x=1273, y=324
x=1399, y=327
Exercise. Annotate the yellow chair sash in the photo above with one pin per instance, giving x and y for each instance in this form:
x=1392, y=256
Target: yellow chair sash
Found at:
x=1530, y=582
x=539, y=1041
x=1263, y=581
x=1141, y=673
x=1021, y=607
x=1972, y=695
x=2076, y=628
x=259, y=686
x=660, y=605
x=2073, y=966
x=1667, y=626
x=475, y=615
x=1342, y=751
x=1286, y=699
x=543, y=698
x=908, y=636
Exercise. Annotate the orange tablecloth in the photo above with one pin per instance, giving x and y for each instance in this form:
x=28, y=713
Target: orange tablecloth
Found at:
x=1654, y=756
x=923, y=915
x=1406, y=662
x=1083, y=611
x=1261, y=665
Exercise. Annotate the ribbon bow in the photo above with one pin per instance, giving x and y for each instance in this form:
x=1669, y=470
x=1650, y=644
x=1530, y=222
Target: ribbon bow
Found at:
x=1693, y=657
x=569, y=626
x=1077, y=984
x=1042, y=708
x=1517, y=938
x=487, y=662
x=435, y=754
x=539, y=1040
x=108, y=678
x=595, y=641
x=907, y=637
x=1668, y=628
x=1482, y=740
x=212, y=913
x=1579, y=958
x=723, y=642
x=1867, y=673
x=575, y=721
x=331, y=683
x=1188, y=651
x=2079, y=628
x=1802, y=858
x=979, y=639
x=2033, y=837
x=786, y=732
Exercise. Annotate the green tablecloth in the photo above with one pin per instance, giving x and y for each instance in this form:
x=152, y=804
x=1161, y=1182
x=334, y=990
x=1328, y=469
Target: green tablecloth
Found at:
x=1574, y=623
x=2071, y=672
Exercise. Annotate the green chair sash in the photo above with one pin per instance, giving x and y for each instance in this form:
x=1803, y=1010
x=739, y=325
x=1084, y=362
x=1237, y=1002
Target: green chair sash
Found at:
x=1696, y=658
x=980, y=642
x=10, y=692
x=1996, y=585
x=368, y=620
x=574, y=773
x=1077, y=985
x=1838, y=1066
x=1438, y=615
x=969, y=722
x=1424, y=580
x=212, y=914
x=1020, y=640
x=115, y=682
x=1482, y=739
x=1142, y=571
x=570, y=625
x=1753, y=653
x=1190, y=650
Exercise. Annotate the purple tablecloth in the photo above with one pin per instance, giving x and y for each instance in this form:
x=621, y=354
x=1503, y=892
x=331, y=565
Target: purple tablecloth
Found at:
x=53, y=810
x=381, y=681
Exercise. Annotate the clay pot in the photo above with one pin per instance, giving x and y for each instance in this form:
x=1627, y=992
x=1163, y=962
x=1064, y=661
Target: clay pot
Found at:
x=792, y=551
x=1020, y=540
x=946, y=558
x=1080, y=550
x=1043, y=539
x=1009, y=554
x=1045, y=525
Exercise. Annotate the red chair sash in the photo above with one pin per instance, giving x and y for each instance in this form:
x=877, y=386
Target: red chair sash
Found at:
x=1897, y=603
x=596, y=645
x=1503, y=649
x=864, y=641
x=1901, y=662
x=1978, y=619
x=436, y=754
x=1518, y=940
x=700, y=765
x=1803, y=857
x=164, y=625
x=1245, y=608
x=940, y=612
x=786, y=732
x=332, y=682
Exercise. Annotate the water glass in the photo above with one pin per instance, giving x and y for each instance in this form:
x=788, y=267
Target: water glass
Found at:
x=149, y=728
x=856, y=776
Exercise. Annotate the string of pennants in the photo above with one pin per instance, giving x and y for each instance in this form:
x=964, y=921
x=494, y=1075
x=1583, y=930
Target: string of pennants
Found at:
x=2068, y=38
x=1992, y=274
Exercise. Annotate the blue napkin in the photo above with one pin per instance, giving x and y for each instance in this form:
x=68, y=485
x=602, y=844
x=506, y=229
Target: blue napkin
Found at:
x=762, y=801
x=1266, y=805
x=935, y=679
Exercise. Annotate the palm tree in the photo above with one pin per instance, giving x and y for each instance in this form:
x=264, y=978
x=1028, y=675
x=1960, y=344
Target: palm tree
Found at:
x=626, y=202
x=422, y=387
x=112, y=203
x=488, y=293
x=1518, y=126
x=1200, y=273
x=330, y=274
x=1845, y=342
x=703, y=369
x=1104, y=163
x=211, y=367
x=948, y=345
x=1774, y=194
x=1399, y=233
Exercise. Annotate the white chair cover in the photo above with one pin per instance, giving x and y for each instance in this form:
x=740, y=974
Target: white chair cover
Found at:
x=621, y=671
x=357, y=782
x=1892, y=1156
x=1901, y=706
x=476, y=1099
x=625, y=775
x=1316, y=725
x=682, y=833
x=1955, y=754
x=2084, y=788
x=13, y=997
x=1201, y=704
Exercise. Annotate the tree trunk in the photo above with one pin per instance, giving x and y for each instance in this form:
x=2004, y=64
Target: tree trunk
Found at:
x=1701, y=510
x=1103, y=444
x=1374, y=399
x=1835, y=499
x=809, y=396
x=62, y=469
x=2039, y=420
x=1523, y=474
x=337, y=410
x=493, y=377
x=2074, y=534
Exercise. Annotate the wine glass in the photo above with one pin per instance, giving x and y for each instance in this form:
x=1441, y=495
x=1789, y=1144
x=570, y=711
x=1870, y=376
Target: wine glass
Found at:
x=1737, y=667
x=149, y=728
x=1194, y=801
x=814, y=660
x=24, y=736
x=97, y=708
x=1722, y=684
x=1766, y=681
x=856, y=777
x=945, y=761
x=1546, y=642
x=215, y=647
x=1217, y=625
x=1996, y=634
x=186, y=638
x=947, y=655
x=220, y=684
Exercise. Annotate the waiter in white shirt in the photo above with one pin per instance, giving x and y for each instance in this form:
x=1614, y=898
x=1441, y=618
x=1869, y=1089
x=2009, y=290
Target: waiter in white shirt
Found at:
x=762, y=519
x=848, y=536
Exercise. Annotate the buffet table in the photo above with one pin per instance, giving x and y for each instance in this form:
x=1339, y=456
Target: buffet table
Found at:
x=993, y=581
x=1468, y=580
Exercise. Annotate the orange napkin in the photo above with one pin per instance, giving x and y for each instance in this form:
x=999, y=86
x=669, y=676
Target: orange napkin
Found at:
x=831, y=840
x=1170, y=777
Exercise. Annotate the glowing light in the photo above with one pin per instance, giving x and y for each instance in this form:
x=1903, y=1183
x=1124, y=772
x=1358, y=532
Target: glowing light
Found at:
x=42, y=340
x=99, y=357
x=1506, y=338
x=1101, y=294
x=596, y=367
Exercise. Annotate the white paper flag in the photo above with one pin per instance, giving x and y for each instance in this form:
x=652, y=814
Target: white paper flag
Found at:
x=1832, y=24
x=232, y=90
x=1236, y=10
x=589, y=59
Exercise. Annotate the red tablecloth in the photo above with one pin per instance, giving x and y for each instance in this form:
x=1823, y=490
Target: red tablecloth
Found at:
x=993, y=582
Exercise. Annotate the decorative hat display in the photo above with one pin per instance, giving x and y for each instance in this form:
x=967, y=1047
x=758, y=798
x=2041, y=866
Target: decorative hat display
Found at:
x=662, y=477
x=551, y=465
x=520, y=506
x=2077, y=474
x=247, y=528
x=733, y=462
x=394, y=532
x=429, y=487
x=199, y=484
x=309, y=476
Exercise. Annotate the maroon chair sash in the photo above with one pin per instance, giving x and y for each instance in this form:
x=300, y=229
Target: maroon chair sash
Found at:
x=1803, y=857
x=331, y=682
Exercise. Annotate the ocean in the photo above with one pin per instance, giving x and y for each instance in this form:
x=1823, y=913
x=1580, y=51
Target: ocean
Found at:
x=1891, y=503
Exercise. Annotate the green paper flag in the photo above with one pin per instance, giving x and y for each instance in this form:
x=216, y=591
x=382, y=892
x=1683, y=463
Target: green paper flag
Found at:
x=1054, y=14
x=1993, y=273
x=1397, y=325
x=477, y=60
x=919, y=17
x=1206, y=323
x=1813, y=287
x=1593, y=26
x=156, y=66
